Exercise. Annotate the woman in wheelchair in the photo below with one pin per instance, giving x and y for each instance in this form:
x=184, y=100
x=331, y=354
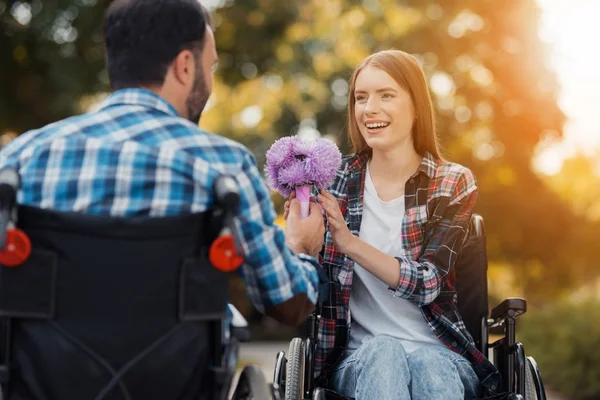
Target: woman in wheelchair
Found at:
x=397, y=215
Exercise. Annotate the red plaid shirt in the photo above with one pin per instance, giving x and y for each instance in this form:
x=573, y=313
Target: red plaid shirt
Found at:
x=439, y=200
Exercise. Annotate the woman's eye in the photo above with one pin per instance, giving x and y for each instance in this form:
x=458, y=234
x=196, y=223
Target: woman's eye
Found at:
x=360, y=98
x=387, y=96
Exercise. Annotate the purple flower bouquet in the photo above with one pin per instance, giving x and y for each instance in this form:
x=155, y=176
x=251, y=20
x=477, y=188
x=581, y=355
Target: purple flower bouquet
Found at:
x=297, y=164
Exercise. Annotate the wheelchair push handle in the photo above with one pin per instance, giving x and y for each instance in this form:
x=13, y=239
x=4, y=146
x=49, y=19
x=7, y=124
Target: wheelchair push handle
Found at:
x=227, y=198
x=10, y=182
x=15, y=246
x=477, y=225
x=227, y=252
x=227, y=193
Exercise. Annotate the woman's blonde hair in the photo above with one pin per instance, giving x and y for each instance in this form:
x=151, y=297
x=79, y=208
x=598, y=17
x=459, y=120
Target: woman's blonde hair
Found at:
x=407, y=72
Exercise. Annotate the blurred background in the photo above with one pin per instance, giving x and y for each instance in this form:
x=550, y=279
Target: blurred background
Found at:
x=517, y=91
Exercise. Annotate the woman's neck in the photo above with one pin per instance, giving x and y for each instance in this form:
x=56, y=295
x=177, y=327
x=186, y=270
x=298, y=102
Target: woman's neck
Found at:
x=390, y=170
x=395, y=165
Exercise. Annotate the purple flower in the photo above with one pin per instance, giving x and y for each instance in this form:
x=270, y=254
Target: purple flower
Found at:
x=293, y=161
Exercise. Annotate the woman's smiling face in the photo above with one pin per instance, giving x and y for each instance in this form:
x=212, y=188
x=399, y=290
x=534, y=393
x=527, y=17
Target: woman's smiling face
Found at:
x=383, y=110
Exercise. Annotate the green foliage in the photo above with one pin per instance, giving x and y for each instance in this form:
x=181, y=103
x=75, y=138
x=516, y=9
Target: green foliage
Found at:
x=564, y=339
x=51, y=55
x=283, y=68
x=494, y=99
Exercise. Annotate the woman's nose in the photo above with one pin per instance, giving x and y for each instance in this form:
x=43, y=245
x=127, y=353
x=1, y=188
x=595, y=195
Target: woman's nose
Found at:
x=372, y=106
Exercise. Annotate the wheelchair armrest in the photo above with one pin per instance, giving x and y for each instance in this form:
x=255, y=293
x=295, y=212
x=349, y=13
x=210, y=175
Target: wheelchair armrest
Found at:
x=513, y=305
x=239, y=326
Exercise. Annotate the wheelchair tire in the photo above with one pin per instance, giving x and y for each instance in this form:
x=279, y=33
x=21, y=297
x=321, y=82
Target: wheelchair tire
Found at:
x=294, y=376
x=251, y=385
x=319, y=394
x=530, y=389
x=279, y=371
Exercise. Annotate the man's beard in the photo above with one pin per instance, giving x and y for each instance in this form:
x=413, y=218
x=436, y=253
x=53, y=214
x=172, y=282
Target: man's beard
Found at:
x=197, y=98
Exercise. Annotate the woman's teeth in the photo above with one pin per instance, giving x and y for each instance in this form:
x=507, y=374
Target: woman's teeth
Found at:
x=377, y=125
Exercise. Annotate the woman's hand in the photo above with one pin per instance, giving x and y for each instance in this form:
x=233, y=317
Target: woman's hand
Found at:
x=341, y=235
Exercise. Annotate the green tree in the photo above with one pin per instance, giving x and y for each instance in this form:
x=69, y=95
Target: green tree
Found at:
x=284, y=68
x=494, y=95
x=51, y=57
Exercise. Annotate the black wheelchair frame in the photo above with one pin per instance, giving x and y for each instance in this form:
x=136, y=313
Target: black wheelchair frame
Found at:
x=223, y=352
x=294, y=377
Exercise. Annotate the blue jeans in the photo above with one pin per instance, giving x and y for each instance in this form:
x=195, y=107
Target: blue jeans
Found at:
x=380, y=369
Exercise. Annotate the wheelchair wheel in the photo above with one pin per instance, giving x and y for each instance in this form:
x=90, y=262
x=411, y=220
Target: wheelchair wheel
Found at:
x=319, y=394
x=294, y=377
x=251, y=385
x=531, y=392
x=279, y=371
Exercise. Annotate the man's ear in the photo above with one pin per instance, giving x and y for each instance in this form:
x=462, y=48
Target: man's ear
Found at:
x=183, y=68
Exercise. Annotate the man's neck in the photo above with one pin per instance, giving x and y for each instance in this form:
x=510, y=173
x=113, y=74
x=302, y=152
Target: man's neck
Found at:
x=166, y=94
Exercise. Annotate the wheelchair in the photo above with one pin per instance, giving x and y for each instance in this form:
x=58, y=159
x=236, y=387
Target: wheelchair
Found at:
x=293, y=373
x=120, y=308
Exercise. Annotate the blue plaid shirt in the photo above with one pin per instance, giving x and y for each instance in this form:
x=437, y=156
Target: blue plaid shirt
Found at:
x=136, y=156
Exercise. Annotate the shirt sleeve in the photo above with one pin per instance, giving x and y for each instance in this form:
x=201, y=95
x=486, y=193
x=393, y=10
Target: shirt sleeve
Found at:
x=272, y=272
x=421, y=281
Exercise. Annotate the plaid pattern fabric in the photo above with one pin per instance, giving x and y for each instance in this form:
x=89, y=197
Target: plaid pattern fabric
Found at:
x=136, y=156
x=439, y=200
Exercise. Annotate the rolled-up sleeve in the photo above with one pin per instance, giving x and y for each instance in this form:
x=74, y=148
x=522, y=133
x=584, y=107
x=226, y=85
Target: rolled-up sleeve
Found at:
x=272, y=272
x=421, y=281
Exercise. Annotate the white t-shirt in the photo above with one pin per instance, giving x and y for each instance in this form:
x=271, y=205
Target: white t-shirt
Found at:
x=373, y=309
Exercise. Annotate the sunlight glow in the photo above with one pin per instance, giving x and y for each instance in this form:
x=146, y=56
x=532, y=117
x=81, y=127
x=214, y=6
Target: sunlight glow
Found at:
x=572, y=29
x=251, y=116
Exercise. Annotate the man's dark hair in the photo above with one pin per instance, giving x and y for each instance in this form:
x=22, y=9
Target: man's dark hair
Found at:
x=143, y=37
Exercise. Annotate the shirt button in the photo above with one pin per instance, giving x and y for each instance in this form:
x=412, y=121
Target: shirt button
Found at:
x=412, y=180
x=493, y=387
x=454, y=344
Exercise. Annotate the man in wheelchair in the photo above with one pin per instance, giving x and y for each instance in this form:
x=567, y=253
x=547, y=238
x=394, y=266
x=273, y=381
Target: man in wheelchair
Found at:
x=114, y=256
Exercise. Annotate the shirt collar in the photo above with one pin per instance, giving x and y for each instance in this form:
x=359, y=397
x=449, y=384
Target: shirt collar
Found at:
x=139, y=97
x=358, y=162
x=428, y=164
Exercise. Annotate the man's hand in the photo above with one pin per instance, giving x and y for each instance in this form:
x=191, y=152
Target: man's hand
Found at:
x=304, y=235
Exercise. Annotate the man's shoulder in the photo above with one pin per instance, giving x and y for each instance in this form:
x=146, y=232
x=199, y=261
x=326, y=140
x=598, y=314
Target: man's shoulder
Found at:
x=36, y=137
x=198, y=139
x=219, y=140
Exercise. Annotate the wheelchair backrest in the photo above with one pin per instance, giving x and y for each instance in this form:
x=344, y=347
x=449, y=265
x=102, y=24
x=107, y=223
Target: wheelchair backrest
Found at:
x=113, y=308
x=471, y=282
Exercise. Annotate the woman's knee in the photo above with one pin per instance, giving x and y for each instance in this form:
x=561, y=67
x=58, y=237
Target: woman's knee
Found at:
x=441, y=369
x=383, y=353
x=382, y=360
x=435, y=361
x=433, y=356
x=382, y=347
